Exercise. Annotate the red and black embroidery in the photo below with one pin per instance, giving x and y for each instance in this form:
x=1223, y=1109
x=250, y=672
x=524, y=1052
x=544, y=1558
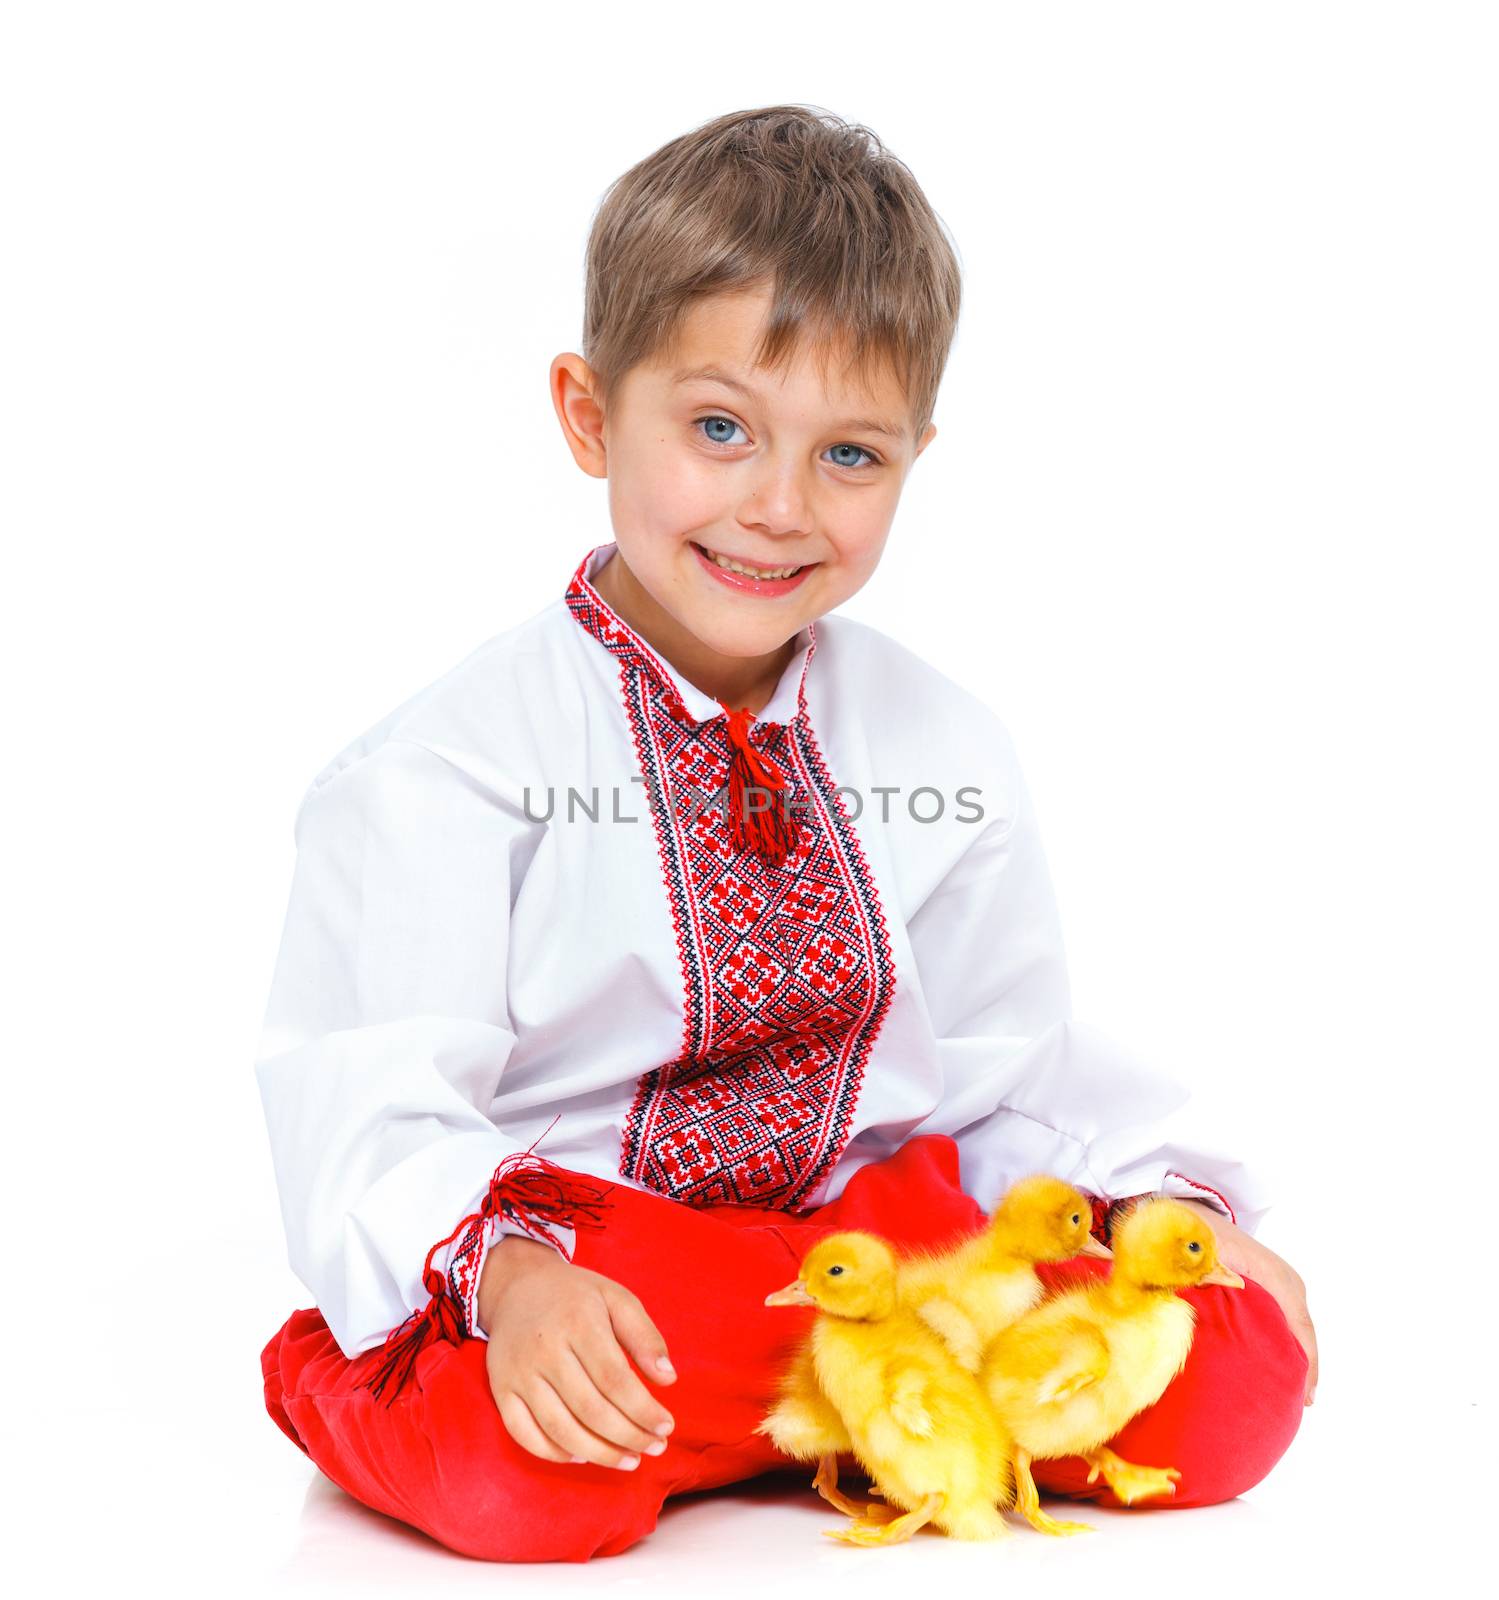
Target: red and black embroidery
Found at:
x=785, y=957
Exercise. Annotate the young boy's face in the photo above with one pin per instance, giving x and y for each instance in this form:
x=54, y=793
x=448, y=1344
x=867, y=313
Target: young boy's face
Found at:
x=768, y=470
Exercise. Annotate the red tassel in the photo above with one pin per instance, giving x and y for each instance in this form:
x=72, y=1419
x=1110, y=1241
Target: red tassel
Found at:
x=769, y=833
x=539, y=1198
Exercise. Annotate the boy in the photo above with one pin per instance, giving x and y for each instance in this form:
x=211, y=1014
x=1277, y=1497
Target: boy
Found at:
x=736, y=904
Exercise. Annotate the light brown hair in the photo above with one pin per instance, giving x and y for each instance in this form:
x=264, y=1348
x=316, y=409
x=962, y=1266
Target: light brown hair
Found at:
x=787, y=196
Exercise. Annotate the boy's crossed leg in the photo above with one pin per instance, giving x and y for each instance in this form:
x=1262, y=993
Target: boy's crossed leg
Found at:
x=440, y=1457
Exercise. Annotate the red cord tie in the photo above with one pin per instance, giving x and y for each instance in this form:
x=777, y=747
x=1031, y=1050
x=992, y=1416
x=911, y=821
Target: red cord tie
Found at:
x=767, y=829
x=538, y=1199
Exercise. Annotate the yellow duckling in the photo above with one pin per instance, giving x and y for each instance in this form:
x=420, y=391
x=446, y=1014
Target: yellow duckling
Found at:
x=965, y=1293
x=1070, y=1373
x=803, y=1425
x=968, y=1292
x=916, y=1419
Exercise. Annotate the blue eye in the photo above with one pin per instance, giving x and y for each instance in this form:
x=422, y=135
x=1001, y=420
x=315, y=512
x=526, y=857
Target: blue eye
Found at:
x=728, y=422
x=871, y=462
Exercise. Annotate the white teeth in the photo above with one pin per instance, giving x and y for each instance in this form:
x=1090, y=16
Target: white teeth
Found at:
x=749, y=572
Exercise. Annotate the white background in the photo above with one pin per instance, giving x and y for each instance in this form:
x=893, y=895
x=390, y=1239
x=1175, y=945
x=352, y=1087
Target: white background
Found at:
x=1208, y=520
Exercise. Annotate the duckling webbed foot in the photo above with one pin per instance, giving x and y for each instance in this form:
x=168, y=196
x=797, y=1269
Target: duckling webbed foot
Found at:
x=1129, y=1481
x=879, y=1509
x=1028, y=1502
x=896, y=1531
x=826, y=1484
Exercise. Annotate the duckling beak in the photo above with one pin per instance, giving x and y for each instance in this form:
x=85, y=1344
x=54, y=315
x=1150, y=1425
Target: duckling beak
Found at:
x=1091, y=1247
x=794, y=1294
x=1224, y=1275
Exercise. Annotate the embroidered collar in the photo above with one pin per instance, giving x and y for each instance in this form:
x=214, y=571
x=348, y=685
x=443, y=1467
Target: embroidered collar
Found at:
x=687, y=701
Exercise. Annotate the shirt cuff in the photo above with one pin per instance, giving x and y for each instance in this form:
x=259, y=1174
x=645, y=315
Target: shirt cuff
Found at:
x=466, y=1268
x=1180, y=1187
x=1175, y=1185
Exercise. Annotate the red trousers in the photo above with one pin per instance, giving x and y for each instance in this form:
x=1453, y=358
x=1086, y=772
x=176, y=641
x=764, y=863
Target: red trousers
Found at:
x=440, y=1458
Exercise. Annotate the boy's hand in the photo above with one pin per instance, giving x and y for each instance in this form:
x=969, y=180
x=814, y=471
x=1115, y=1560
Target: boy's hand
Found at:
x=558, y=1338
x=1246, y=1255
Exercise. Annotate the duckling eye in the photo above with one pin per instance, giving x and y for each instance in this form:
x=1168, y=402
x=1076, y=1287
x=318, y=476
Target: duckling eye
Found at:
x=834, y=1271
x=1194, y=1247
x=1077, y=1217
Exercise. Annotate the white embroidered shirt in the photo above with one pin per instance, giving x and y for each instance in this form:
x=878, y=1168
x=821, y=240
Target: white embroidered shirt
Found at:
x=517, y=913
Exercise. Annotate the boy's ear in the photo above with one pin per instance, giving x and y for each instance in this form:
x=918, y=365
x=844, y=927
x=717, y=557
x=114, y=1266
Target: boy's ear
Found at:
x=572, y=385
x=927, y=437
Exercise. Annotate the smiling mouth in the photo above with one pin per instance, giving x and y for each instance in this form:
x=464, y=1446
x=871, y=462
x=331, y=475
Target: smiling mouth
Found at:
x=729, y=564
